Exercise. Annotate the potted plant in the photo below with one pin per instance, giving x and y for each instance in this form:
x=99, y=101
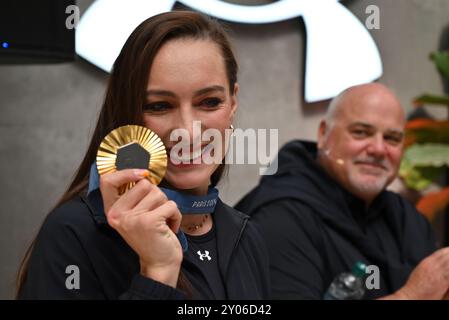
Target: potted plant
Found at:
x=426, y=156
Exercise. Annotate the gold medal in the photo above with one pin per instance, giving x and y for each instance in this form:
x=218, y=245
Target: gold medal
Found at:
x=133, y=147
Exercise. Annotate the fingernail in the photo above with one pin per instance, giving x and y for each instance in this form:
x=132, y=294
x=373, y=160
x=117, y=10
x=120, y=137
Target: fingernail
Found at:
x=142, y=173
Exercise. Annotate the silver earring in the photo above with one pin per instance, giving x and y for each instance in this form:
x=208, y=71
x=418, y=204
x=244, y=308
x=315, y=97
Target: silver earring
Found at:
x=232, y=128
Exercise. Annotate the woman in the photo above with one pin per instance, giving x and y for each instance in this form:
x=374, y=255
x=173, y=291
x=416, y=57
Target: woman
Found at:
x=174, y=69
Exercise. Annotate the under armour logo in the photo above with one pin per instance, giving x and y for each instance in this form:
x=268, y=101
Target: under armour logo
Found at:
x=204, y=255
x=339, y=47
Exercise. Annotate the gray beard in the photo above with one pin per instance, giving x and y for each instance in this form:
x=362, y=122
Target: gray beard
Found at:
x=369, y=188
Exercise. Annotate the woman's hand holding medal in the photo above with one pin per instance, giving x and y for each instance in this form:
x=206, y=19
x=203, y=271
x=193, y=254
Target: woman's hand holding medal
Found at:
x=136, y=207
x=146, y=220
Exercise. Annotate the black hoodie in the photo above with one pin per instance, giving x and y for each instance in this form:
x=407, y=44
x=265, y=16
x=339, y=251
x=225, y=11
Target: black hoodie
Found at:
x=315, y=229
x=76, y=234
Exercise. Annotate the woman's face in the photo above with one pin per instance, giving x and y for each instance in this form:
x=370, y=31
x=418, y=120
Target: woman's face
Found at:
x=188, y=83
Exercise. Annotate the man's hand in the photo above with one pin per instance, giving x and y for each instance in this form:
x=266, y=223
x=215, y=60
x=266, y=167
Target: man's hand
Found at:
x=429, y=280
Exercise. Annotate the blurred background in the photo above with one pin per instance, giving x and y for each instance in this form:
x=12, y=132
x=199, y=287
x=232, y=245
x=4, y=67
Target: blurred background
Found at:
x=48, y=110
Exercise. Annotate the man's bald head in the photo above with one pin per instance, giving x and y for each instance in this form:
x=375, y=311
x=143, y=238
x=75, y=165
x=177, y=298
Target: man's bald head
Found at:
x=363, y=93
x=360, y=140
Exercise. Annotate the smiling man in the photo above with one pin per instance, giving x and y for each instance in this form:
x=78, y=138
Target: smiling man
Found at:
x=327, y=207
x=360, y=141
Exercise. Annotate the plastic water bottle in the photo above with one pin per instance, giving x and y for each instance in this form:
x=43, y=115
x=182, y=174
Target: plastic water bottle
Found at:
x=348, y=286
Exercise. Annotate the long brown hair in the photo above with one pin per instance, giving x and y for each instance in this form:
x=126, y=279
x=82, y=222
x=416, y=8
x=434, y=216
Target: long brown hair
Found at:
x=125, y=92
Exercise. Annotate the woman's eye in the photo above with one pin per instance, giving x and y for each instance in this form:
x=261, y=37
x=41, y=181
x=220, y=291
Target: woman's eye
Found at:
x=211, y=102
x=156, y=107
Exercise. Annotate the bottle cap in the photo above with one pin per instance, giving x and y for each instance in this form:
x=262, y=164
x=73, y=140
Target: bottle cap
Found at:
x=359, y=269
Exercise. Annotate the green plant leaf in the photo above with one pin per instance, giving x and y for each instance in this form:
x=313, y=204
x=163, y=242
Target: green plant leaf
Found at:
x=441, y=60
x=428, y=155
x=418, y=178
x=431, y=99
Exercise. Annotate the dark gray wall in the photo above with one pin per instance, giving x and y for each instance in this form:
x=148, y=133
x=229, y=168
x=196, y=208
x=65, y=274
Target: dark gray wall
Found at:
x=47, y=112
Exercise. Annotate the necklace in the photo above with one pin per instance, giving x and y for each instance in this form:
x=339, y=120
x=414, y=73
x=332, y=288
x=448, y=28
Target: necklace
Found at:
x=194, y=227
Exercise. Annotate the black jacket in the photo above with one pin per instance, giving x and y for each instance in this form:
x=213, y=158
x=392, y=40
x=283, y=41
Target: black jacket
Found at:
x=77, y=234
x=316, y=230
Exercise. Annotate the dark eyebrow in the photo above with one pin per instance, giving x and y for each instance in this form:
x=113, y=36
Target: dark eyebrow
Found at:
x=161, y=93
x=209, y=89
x=167, y=93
